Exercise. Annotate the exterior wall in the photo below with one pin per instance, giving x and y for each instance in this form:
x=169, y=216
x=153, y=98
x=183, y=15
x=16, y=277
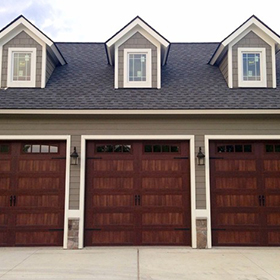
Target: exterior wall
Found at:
x=50, y=66
x=138, y=41
x=224, y=67
x=251, y=40
x=139, y=125
x=22, y=40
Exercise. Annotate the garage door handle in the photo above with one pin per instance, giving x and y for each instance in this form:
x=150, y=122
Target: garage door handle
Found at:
x=181, y=157
x=139, y=200
x=260, y=200
x=11, y=200
x=263, y=200
x=14, y=200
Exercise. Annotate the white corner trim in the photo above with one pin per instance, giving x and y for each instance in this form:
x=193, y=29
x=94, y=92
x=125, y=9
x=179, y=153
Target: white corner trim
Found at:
x=116, y=68
x=159, y=66
x=263, y=66
x=44, y=66
x=207, y=139
x=230, y=77
x=84, y=138
x=32, y=82
x=142, y=84
x=273, y=57
x=67, y=138
x=1, y=47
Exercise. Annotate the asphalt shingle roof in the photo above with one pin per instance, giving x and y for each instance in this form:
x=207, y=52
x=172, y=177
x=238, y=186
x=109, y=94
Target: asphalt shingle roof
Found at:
x=188, y=82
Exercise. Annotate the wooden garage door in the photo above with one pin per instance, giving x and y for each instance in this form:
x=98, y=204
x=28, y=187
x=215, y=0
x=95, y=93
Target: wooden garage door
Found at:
x=245, y=193
x=137, y=193
x=32, y=183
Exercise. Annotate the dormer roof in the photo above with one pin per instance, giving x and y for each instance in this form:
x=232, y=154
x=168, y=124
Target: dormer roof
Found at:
x=136, y=25
x=20, y=23
x=252, y=24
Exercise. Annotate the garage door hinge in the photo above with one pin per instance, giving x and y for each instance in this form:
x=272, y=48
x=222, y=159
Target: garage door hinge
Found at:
x=55, y=229
x=58, y=157
x=219, y=229
x=94, y=157
x=216, y=158
x=181, y=228
x=93, y=229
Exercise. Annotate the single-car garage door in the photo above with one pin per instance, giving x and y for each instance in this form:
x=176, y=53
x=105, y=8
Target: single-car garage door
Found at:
x=245, y=193
x=32, y=186
x=137, y=193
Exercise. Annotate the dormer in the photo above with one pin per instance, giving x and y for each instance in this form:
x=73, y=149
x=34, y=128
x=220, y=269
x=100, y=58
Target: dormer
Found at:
x=27, y=56
x=137, y=53
x=246, y=58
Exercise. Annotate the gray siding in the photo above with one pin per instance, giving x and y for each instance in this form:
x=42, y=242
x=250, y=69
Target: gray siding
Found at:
x=50, y=66
x=22, y=40
x=139, y=125
x=224, y=67
x=251, y=40
x=138, y=41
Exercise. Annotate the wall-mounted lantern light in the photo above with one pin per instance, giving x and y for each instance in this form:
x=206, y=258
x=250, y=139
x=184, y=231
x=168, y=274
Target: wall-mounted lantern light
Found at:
x=74, y=157
x=200, y=157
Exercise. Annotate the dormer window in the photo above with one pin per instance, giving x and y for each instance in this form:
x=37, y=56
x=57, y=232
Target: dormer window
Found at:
x=137, y=68
x=21, y=67
x=252, y=67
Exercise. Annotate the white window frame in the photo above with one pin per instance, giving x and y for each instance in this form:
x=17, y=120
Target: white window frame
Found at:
x=138, y=84
x=32, y=82
x=263, y=80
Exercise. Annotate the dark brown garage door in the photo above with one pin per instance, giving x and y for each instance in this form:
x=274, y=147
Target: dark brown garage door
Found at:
x=137, y=193
x=32, y=184
x=245, y=193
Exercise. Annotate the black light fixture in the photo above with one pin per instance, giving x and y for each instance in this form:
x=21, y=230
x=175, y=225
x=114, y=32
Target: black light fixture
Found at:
x=200, y=157
x=74, y=157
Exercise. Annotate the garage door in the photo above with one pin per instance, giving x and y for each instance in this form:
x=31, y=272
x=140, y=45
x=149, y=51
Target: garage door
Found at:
x=137, y=193
x=245, y=193
x=32, y=183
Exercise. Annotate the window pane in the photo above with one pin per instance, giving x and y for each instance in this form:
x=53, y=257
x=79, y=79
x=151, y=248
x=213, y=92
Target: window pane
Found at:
x=157, y=148
x=269, y=148
x=53, y=149
x=44, y=149
x=174, y=149
x=118, y=148
x=126, y=148
x=35, y=148
x=21, y=66
x=165, y=149
x=230, y=148
x=4, y=148
x=251, y=67
x=26, y=149
x=277, y=148
x=148, y=148
x=100, y=149
x=247, y=148
x=238, y=148
x=221, y=149
x=108, y=148
x=137, y=67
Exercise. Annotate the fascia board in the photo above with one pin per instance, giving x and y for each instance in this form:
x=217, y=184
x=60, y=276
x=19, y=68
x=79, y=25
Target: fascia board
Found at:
x=131, y=26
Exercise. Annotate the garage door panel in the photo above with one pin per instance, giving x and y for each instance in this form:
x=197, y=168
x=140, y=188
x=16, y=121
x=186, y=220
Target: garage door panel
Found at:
x=162, y=200
x=161, y=183
x=31, y=165
x=39, y=183
x=163, y=237
x=127, y=194
x=238, y=219
x=248, y=199
x=113, y=165
x=235, y=165
x=4, y=237
x=113, y=183
x=5, y=165
x=38, y=201
x=111, y=237
x=161, y=165
x=107, y=219
x=45, y=219
x=38, y=238
x=241, y=237
x=162, y=219
x=237, y=201
x=4, y=217
x=271, y=165
x=112, y=200
x=236, y=183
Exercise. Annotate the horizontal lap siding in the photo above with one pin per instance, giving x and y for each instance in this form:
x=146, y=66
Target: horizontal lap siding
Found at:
x=139, y=125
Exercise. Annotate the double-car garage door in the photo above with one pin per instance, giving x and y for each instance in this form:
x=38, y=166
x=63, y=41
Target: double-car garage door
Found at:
x=32, y=191
x=245, y=193
x=137, y=193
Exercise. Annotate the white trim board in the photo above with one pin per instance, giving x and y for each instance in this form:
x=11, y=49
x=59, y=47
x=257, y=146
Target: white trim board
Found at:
x=140, y=112
x=189, y=138
x=67, y=138
x=207, y=139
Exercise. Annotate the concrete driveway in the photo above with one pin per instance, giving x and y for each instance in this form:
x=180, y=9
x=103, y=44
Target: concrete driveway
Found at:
x=143, y=263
